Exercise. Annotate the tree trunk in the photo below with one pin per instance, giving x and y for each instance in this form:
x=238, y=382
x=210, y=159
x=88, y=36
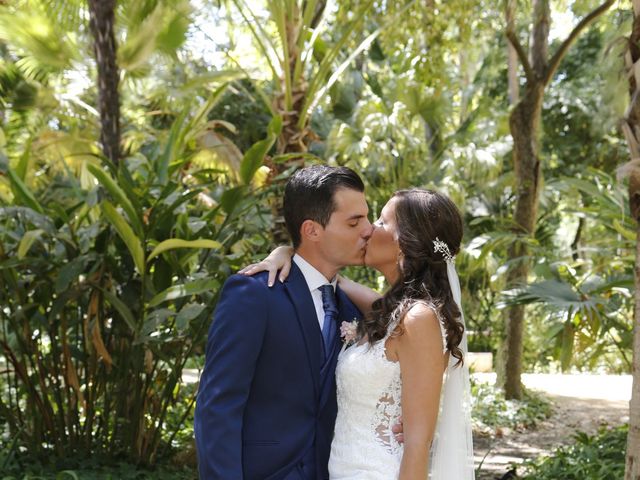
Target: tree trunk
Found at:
x=632, y=469
x=512, y=56
x=631, y=129
x=101, y=22
x=524, y=123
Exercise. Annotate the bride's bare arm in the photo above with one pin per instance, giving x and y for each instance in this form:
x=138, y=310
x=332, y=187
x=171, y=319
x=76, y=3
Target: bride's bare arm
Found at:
x=362, y=296
x=422, y=362
x=278, y=259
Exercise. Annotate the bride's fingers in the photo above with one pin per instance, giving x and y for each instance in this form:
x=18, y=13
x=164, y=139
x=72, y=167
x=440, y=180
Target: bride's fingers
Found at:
x=284, y=273
x=272, y=275
x=268, y=266
x=248, y=270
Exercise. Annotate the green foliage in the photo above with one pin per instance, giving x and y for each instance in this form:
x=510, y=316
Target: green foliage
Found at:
x=93, y=470
x=240, y=106
x=491, y=412
x=591, y=457
x=108, y=276
x=254, y=157
x=582, y=297
x=108, y=290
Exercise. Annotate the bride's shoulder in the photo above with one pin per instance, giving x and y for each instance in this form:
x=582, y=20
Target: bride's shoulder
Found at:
x=421, y=318
x=422, y=335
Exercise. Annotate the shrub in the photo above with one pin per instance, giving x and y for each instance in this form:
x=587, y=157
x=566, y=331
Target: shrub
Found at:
x=491, y=412
x=596, y=457
x=106, y=290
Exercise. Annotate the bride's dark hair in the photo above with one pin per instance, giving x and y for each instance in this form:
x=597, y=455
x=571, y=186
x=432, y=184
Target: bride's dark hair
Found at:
x=421, y=217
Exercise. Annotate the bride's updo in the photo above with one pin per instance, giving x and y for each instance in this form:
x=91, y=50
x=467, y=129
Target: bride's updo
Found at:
x=422, y=216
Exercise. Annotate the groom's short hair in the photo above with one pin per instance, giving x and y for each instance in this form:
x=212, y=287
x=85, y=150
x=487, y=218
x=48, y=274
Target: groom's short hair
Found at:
x=309, y=194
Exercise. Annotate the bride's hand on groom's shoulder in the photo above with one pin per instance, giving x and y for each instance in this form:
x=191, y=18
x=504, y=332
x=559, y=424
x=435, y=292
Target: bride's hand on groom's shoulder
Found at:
x=278, y=259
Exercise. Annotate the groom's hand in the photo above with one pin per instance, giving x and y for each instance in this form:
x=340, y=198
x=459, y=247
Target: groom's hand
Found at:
x=398, y=431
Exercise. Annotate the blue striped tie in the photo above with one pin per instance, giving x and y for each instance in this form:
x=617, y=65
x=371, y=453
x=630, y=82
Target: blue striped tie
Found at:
x=329, y=327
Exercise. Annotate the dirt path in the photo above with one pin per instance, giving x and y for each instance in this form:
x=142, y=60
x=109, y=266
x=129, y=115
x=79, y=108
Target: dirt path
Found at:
x=581, y=402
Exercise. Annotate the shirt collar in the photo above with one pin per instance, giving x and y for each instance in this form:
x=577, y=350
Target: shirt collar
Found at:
x=313, y=277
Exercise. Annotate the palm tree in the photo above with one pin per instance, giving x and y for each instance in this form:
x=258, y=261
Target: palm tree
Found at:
x=101, y=22
x=631, y=129
x=300, y=83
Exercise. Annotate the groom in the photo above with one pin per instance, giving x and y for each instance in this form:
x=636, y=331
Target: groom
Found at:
x=266, y=405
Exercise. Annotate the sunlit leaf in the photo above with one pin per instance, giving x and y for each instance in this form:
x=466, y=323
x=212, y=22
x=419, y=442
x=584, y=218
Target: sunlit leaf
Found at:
x=118, y=195
x=130, y=239
x=254, y=157
x=184, y=290
x=27, y=241
x=22, y=193
x=174, y=243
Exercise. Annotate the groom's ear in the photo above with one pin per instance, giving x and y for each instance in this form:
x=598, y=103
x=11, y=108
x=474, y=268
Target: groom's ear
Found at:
x=310, y=230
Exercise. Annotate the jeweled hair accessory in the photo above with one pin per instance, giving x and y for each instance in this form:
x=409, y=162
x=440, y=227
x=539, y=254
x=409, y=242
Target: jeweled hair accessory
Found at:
x=442, y=247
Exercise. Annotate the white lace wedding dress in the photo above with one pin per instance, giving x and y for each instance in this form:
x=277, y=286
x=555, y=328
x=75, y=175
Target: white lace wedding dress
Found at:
x=369, y=391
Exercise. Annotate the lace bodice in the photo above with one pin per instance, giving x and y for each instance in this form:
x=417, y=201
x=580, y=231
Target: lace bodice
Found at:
x=369, y=393
x=369, y=388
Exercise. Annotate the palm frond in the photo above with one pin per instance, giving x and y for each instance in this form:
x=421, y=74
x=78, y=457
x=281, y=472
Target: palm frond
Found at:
x=43, y=47
x=162, y=28
x=554, y=294
x=68, y=15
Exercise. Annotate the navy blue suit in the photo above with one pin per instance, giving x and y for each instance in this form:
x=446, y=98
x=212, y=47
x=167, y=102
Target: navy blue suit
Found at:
x=266, y=405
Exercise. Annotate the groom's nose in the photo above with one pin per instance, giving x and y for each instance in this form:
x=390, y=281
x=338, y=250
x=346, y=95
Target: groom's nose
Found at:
x=366, y=232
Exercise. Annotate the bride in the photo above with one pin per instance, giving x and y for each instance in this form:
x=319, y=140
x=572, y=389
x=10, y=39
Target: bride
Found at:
x=406, y=362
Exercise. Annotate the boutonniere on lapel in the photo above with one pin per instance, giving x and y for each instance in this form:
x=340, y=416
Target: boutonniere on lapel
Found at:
x=349, y=332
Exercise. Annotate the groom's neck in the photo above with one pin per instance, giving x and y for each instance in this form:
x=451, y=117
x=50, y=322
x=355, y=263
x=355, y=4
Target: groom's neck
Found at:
x=317, y=261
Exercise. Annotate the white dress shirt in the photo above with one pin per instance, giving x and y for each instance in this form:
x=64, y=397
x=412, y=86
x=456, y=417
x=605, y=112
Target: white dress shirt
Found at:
x=314, y=281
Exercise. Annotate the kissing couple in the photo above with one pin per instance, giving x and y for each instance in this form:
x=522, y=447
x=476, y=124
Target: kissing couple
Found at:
x=316, y=377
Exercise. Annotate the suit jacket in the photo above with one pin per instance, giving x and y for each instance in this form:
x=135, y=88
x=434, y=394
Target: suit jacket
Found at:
x=266, y=403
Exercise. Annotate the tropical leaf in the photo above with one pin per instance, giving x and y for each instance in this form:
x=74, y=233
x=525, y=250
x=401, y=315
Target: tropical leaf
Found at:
x=214, y=77
x=27, y=241
x=141, y=42
x=232, y=197
x=43, y=45
x=121, y=308
x=23, y=165
x=176, y=22
x=553, y=293
x=22, y=192
x=174, y=243
x=184, y=129
x=30, y=217
x=254, y=157
x=70, y=272
x=98, y=343
x=117, y=194
x=185, y=290
x=263, y=39
x=189, y=312
x=130, y=239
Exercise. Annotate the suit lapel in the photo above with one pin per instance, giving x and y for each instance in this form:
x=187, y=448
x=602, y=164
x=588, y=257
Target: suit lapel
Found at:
x=298, y=291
